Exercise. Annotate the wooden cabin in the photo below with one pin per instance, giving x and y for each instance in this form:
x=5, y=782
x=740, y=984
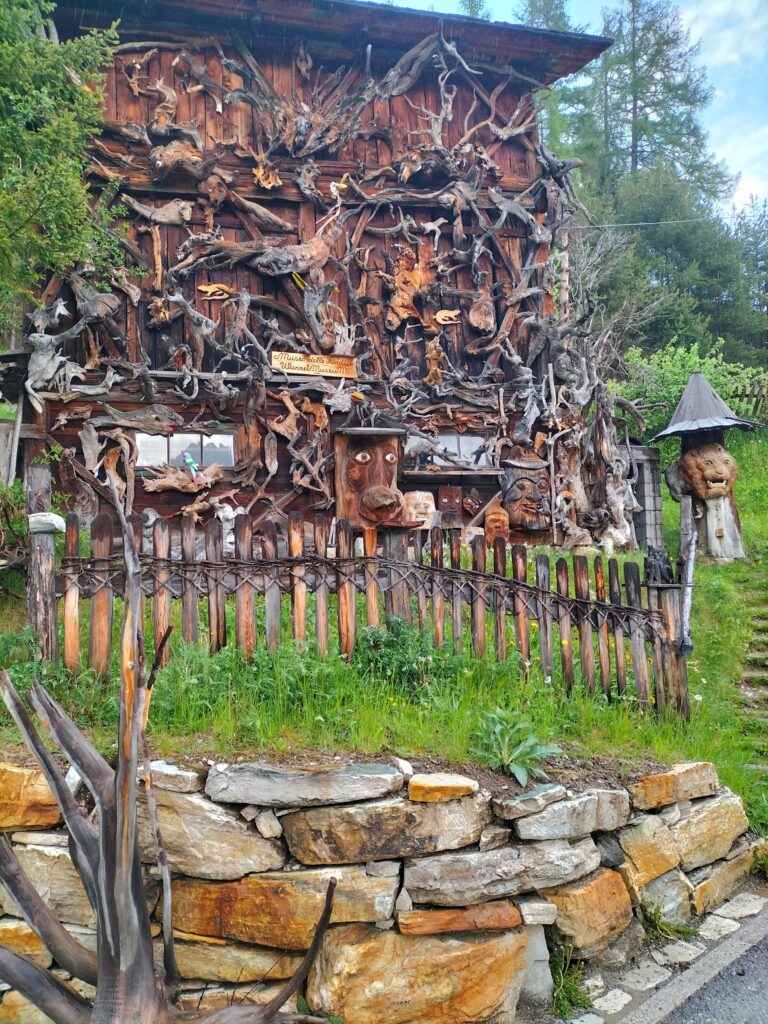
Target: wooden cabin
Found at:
x=339, y=226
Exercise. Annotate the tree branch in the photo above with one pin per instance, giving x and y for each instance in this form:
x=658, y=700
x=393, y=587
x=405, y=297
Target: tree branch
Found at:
x=68, y=952
x=44, y=990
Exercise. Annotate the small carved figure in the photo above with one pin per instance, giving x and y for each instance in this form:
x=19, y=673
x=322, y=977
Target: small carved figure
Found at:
x=420, y=507
x=436, y=362
x=496, y=523
x=526, y=495
x=708, y=472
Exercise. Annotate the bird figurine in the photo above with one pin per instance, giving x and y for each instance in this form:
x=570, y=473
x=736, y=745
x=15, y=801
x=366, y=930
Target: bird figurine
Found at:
x=191, y=465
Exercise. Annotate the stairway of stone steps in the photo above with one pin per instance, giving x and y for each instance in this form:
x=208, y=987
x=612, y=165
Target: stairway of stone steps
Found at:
x=754, y=678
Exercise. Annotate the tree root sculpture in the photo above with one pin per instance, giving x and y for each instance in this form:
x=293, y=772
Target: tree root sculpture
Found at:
x=130, y=989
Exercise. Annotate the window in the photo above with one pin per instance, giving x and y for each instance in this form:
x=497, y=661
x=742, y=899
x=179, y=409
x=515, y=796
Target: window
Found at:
x=463, y=447
x=169, y=451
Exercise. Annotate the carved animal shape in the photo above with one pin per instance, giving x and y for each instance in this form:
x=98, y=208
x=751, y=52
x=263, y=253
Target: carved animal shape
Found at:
x=366, y=480
x=496, y=523
x=709, y=471
x=180, y=156
x=150, y=419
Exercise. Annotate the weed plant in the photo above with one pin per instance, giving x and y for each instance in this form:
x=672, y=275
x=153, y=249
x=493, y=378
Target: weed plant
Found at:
x=569, y=993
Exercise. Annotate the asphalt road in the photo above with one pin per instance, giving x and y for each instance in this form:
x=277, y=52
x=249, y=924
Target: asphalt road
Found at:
x=738, y=995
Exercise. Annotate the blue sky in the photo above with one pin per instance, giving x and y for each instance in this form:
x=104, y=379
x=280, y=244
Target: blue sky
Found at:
x=734, y=51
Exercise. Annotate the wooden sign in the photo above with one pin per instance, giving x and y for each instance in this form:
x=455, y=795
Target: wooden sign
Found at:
x=314, y=365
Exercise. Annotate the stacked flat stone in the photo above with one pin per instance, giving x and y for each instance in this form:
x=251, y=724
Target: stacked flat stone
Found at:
x=443, y=892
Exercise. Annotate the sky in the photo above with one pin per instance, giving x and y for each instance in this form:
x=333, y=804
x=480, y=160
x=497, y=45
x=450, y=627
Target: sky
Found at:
x=733, y=35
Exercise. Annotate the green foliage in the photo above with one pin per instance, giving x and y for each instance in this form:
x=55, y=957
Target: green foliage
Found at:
x=50, y=107
x=475, y=9
x=505, y=743
x=656, y=927
x=760, y=863
x=662, y=376
x=568, y=979
x=397, y=652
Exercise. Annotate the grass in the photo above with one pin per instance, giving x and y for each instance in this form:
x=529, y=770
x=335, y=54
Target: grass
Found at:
x=656, y=927
x=569, y=993
x=398, y=694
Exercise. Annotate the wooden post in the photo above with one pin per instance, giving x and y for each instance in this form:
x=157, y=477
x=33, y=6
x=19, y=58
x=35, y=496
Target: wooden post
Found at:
x=583, y=620
x=438, y=604
x=500, y=599
x=190, y=625
x=614, y=594
x=214, y=555
x=398, y=604
x=102, y=597
x=675, y=668
x=454, y=539
x=298, y=584
x=271, y=587
x=637, y=633
x=543, y=614
x=603, y=647
x=479, y=550
x=245, y=618
x=418, y=540
x=41, y=569
x=564, y=620
x=657, y=648
x=346, y=588
x=72, y=596
x=321, y=587
x=520, y=576
x=370, y=544
x=161, y=599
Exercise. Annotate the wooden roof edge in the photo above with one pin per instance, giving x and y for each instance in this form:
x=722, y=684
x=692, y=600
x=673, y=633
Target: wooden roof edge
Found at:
x=550, y=55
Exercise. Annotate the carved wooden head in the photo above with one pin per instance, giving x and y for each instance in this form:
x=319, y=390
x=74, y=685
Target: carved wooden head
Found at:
x=419, y=506
x=525, y=490
x=496, y=523
x=366, y=480
x=709, y=471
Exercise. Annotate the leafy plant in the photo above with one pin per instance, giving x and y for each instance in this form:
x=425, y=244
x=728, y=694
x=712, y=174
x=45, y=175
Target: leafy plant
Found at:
x=656, y=927
x=397, y=652
x=760, y=862
x=503, y=742
x=568, y=980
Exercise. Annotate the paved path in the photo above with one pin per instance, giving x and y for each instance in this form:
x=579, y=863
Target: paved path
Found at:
x=738, y=995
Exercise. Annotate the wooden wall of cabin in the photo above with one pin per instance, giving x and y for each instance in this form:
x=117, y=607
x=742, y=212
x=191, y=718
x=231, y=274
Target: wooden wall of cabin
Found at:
x=389, y=128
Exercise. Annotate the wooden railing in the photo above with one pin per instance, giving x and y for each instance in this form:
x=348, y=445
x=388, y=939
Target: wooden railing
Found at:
x=597, y=627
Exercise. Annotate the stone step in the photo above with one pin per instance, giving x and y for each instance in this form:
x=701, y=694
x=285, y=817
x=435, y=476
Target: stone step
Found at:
x=757, y=658
x=755, y=676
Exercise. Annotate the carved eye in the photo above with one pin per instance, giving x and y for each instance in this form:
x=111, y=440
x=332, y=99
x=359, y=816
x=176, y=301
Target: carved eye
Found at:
x=363, y=457
x=391, y=458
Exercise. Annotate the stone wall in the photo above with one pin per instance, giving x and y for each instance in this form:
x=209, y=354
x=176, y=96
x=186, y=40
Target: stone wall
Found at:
x=448, y=899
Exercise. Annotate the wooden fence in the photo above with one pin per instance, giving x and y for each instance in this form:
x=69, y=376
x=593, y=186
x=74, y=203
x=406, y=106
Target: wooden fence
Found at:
x=600, y=624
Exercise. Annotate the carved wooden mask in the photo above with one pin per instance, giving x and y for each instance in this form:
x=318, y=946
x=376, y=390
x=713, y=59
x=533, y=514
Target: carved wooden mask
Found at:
x=420, y=507
x=366, y=480
x=496, y=523
x=525, y=490
x=449, y=505
x=709, y=471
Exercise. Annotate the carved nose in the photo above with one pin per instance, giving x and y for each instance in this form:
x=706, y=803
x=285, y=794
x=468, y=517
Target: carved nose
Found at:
x=379, y=498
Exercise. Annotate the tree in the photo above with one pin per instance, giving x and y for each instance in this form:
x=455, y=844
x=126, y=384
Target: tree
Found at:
x=50, y=107
x=129, y=988
x=475, y=9
x=647, y=96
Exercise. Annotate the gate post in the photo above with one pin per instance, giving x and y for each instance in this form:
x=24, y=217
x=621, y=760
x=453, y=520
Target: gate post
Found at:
x=41, y=573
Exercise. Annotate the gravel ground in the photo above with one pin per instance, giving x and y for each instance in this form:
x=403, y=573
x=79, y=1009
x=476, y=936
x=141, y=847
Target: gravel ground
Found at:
x=738, y=995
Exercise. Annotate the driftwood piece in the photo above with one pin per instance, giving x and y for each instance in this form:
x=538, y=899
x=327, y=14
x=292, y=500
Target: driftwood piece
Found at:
x=176, y=478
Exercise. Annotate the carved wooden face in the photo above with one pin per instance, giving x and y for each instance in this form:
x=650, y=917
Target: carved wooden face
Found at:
x=526, y=497
x=496, y=523
x=366, y=480
x=419, y=506
x=449, y=505
x=709, y=471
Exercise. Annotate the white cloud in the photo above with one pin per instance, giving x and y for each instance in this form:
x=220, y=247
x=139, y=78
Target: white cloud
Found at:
x=729, y=32
x=750, y=185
